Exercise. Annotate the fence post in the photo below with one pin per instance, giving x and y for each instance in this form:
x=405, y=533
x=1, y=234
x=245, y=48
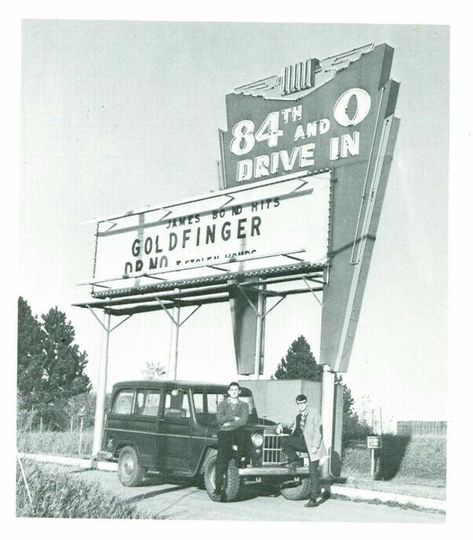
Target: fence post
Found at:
x=80, y=435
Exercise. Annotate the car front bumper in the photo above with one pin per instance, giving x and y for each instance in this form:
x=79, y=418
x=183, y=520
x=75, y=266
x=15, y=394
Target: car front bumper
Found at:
x=103, y=454
x=273, y=471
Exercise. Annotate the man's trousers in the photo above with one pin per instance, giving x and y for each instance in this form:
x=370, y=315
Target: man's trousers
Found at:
x=226, y=440
x=291, y=445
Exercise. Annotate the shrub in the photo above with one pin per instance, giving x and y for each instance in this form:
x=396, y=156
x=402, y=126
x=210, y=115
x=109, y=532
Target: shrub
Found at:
x=59, y=495
x=426, y=457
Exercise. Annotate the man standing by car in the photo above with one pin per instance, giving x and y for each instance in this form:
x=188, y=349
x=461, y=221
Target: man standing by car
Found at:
x=232, y=414
x=306, y=436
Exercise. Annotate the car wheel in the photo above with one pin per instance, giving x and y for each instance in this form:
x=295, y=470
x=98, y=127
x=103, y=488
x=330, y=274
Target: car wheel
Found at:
x=296, y=491
x=130, y=472
x=232, y=484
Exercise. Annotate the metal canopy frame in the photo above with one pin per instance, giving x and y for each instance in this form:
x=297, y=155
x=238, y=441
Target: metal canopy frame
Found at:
x=286, y=280
x=171, y=296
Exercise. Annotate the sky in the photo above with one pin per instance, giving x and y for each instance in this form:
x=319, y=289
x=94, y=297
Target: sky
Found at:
x=119, y=115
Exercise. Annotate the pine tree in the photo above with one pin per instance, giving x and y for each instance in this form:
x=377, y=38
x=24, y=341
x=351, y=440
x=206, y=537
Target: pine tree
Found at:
x=353, y=427
x=50, y=365
x=31, y=355
x=299, y=363
x=65, y=363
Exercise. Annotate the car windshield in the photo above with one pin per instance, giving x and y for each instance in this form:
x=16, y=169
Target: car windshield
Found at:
x=205, y=404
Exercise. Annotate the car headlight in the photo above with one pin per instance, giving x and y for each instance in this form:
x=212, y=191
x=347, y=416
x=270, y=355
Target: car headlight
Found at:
x=257, y=439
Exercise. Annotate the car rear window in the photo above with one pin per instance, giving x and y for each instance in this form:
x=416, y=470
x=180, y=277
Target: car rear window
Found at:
x=123, y=402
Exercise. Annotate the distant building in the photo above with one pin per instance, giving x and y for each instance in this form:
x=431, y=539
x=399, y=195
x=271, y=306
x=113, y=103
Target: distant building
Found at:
x=420, y=428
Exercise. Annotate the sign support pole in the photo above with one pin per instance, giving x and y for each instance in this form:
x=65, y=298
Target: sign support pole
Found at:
x=260, y=331
x=328, y=415
x=174, y=349
x=101, y=389
x=373, y=462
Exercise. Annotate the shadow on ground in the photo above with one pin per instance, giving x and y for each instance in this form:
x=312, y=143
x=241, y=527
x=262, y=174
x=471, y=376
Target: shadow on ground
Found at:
x=391, y=455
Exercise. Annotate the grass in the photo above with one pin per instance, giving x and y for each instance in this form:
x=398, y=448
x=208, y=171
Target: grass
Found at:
x=57, y=495
x=61, y=443
x=392, y=504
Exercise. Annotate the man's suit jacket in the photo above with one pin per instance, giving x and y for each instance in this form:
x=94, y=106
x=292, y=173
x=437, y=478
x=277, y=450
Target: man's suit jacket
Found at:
x=227, y=413
x=313, y=435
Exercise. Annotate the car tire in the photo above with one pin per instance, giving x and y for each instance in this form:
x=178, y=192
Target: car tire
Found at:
x=297, y=492
x=130, y=472
x=232, y=486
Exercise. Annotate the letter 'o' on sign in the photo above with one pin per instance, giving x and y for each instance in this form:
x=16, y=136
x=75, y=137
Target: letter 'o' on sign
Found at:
x=352, y=107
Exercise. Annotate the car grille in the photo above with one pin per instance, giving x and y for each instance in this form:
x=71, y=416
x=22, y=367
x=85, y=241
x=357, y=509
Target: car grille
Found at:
x=272, y=451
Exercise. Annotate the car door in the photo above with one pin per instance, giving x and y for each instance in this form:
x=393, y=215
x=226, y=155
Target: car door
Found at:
x=145, y=425
x=174, y=447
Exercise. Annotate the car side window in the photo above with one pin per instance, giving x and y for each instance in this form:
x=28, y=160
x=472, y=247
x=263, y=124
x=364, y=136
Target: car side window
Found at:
x=212, y=402
x=198, y=402
x=176, y=405
x=123, y=402
x=147, y=403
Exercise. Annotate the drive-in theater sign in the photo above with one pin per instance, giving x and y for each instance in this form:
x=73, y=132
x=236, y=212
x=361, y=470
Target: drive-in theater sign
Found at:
x=304, y=164
x=331, y=115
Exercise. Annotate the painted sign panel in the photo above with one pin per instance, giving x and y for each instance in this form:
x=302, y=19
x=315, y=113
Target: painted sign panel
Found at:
x=329, y=124
x=374, y=441
x=244, y=325
x=243, y=228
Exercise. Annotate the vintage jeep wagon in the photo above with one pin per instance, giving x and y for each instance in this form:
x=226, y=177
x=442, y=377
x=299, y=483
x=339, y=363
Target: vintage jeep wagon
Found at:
x=171, y=427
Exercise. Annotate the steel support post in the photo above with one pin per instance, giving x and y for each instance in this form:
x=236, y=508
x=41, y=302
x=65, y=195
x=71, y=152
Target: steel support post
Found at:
x=174, y=347
x=328, y=415
x=101, y=389
x=260, y=331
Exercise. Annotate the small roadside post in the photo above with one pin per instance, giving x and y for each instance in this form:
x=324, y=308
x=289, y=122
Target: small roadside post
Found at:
x=373, y=443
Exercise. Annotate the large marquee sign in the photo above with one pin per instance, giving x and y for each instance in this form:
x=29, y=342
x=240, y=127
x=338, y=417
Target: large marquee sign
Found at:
x=236, y=229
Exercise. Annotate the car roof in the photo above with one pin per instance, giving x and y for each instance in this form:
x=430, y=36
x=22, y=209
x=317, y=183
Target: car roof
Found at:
x=194, y=385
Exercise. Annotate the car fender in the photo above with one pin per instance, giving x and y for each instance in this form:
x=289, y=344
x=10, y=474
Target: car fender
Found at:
x=206, y=457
